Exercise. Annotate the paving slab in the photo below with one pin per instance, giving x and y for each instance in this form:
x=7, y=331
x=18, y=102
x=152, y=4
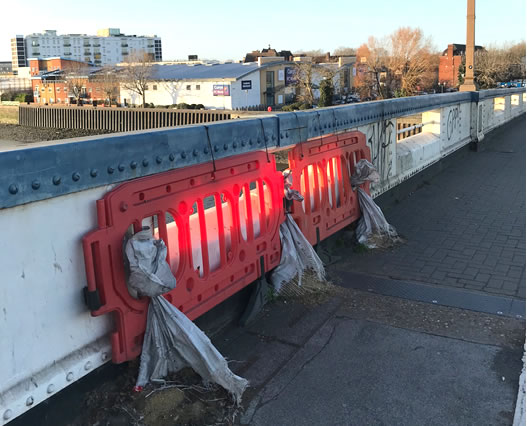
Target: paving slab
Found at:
x=355, y=372
x=465, y=227
x=383, y=360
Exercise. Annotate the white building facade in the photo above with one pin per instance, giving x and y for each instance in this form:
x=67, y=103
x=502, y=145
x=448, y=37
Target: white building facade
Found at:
x=108, y=47
x=216, y=86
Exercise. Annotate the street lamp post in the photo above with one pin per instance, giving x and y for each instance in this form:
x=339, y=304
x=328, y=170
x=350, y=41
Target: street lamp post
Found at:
x=469, y=85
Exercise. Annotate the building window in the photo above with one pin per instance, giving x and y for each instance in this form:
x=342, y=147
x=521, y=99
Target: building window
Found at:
x=89, y=90
x=98, y=89
x=49, y=89
x=43, y=89
x=58, y=89
x=188, y=86
x=198, y=87
x=154, y=87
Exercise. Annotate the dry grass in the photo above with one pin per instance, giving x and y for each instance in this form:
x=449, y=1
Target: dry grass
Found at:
x=312, y=291
x=8, y=114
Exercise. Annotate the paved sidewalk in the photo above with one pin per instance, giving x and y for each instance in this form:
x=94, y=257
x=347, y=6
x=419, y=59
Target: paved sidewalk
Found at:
x=466, y=227
x=364, y=359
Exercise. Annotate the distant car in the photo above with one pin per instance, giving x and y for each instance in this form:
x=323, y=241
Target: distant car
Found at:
x=352, y=98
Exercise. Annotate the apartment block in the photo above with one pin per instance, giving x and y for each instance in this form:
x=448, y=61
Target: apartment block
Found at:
x=108, y=47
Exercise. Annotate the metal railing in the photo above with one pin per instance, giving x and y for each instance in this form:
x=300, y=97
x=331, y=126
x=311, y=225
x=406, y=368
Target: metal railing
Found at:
x=114, y=119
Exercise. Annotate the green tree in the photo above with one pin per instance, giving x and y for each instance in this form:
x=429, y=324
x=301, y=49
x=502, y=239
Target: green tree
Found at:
x=326, y=93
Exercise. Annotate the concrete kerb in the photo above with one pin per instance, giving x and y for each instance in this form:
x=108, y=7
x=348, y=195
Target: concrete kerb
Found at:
x=519, y=412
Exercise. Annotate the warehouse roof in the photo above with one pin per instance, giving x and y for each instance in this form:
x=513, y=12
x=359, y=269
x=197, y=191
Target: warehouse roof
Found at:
x=201, y=71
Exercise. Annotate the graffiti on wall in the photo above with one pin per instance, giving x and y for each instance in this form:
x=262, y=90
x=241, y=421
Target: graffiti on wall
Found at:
x=381, y=140
x=453, y=121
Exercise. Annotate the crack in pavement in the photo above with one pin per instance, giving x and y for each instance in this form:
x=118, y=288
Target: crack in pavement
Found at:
x=269, y=338
x=261, y=404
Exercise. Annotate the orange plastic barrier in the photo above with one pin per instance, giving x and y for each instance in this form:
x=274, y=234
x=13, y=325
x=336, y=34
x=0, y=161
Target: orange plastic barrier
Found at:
x=321, y=171
x=220, y=224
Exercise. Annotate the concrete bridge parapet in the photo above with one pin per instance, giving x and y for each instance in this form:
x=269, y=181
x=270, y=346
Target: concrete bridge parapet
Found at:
x=47, y=203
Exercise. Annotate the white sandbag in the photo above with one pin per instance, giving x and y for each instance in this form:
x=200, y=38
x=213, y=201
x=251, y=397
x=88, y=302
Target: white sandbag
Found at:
x=373, y=230
x=171, y=340
x=297, y=256
x=150, y=274
x=364, y=172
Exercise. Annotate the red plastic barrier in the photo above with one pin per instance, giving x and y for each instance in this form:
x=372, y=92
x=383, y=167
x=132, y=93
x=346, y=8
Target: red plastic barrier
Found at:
x=213, y=252
x=321, y=172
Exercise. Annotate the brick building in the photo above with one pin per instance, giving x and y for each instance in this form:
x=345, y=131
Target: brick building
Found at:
x=449, y=63
x=269, y=52
x=54, y=81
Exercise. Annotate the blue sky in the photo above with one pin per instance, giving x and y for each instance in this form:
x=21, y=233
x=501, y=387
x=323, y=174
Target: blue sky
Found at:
x=229, y=29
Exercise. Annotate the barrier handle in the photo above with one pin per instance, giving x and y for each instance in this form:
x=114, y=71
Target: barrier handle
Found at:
x=90, y=292
x=89, y=265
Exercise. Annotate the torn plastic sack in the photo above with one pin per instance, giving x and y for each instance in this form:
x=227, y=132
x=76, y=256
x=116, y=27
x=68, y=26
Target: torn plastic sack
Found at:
x=297, y=254
x=150, y=274
x=171, y=340
x=372, y=230
x=290, y=193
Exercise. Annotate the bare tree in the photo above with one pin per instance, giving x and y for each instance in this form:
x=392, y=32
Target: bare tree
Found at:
x=498, y=64
x=411, y=60
x=76, y=76
x=515, y=56
x=345, y=51
x=137, y=72
x=308, y=76
x=108, y=79
x=311, y=53
x=398, y=65
x=304, y=82
x=489, y=67
x=372, y=60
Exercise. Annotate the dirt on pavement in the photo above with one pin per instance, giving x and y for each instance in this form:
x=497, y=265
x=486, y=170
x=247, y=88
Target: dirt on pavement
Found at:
x=182, y=399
